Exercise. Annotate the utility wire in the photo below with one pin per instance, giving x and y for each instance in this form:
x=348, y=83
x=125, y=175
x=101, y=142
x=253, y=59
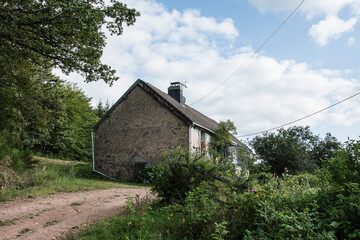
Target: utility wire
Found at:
x=252, y=56
x=299, y=119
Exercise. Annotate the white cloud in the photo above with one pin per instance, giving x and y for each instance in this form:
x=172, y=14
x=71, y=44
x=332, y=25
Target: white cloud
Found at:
x=351, y=41
x=331, y=28
x=165, y=46
x=310, y=8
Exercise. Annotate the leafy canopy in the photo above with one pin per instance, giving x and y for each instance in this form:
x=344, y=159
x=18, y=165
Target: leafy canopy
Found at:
x=38, y=111
x=222, y=138
x=297, y=149
x=66, y=34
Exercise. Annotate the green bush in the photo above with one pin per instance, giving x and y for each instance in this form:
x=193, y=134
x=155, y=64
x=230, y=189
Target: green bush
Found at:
x=5, y=148
x=220, y=206
x=196, y=218
x=339, y=197
x=264, y=210
x=22, y=160
x=179, y=173
x=286, y=224
x=148, y=174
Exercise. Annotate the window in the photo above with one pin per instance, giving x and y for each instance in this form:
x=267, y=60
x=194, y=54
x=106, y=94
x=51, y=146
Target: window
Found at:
x=203, y=141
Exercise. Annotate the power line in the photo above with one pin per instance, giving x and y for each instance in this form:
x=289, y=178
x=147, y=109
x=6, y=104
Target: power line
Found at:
x=299, y=119
x=248, y=60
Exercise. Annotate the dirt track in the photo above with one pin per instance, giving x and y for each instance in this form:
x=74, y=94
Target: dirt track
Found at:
x=52, y=216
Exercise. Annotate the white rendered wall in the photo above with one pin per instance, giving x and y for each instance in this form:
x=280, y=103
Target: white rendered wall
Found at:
x=195, y=141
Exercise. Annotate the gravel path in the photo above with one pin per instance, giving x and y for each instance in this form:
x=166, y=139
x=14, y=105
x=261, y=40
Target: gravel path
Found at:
x=55, y=215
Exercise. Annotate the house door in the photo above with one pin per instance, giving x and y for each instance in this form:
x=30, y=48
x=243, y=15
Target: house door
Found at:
x=138, y=167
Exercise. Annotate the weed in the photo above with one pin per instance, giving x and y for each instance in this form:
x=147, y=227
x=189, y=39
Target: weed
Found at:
x=50, y=223
x=23, y=231
x=76, y=204
x=8, y=222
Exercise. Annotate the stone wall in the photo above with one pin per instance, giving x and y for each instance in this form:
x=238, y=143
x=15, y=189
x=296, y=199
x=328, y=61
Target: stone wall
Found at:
x=136, y=134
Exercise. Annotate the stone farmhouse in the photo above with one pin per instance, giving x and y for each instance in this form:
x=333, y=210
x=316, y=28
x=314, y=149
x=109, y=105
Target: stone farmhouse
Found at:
x=142, y=124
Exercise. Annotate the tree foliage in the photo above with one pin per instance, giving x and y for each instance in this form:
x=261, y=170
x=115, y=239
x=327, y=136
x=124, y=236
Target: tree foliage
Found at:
x=101, y=108
x=180, y=172
x=297, y=149
x=222, y=138
x=46, y=115
x=65, y=34
x=38, y=111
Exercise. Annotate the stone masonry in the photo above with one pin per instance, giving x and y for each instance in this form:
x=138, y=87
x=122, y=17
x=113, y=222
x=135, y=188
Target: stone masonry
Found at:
x=136, y=134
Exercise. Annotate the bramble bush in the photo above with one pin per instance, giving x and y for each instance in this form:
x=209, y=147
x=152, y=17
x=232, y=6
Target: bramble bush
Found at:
x=218, y=205
x=339, y=197
x=181, y=172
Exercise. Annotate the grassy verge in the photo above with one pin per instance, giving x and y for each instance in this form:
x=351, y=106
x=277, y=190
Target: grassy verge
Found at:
x=50, y=176
x=141, y=220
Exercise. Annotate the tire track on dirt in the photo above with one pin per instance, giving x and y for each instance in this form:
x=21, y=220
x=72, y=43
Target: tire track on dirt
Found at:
x=55, y=215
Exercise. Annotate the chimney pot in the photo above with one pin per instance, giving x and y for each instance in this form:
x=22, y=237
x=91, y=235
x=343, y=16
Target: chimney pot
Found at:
x=176, y=91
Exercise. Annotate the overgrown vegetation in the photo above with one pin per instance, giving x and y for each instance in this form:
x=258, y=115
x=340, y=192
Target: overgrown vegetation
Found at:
x=297, y=149
x=29, y=176
x=49, y=117
x=53, y=32
x=222, y=138
x=38, y=111
x=198, y=198
x=220, y=204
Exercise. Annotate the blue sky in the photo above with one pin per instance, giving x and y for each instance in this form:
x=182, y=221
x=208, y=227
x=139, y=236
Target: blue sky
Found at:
x=311, y=63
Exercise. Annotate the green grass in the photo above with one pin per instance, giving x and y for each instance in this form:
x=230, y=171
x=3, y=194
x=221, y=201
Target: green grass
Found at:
x=8, y=222
x=76, y=204
x=51, y=176
x=141, y=220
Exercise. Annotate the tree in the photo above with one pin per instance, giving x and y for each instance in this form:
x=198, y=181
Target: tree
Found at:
x=101, y=109
x=22, y=114
x=44, y=114
x=37, y=111
x=297, y=149
x=64, y=34
x=222, y=138
x=325, y=149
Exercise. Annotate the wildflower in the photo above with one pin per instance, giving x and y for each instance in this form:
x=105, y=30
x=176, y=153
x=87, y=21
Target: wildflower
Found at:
x=253, y=190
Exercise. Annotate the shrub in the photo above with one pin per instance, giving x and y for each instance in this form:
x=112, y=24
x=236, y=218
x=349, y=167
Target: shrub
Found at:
x=148, y=174
x=201, y=210
x=286, y=224
x=5, y=148
x=275, y=208
x=179, y=173
x=218, y=206
x=339, y=198
x=22, y=160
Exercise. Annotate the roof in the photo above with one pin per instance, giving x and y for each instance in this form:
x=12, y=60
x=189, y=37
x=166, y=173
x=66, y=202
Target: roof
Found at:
x=185, y=112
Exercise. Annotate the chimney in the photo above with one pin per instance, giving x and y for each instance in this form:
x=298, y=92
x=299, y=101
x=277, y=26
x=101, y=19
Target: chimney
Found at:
x=176, y=91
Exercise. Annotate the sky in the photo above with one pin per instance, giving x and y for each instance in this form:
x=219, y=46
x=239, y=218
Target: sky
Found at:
x=310, y=63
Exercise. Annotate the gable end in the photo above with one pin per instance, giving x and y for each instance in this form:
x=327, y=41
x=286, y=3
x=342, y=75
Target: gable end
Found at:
x=148, y=89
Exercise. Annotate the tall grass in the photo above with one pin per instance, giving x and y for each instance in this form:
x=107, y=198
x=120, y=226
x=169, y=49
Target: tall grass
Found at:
x=49, y=177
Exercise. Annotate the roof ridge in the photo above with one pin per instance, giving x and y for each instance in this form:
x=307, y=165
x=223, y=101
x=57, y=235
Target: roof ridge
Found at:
x=188, y=114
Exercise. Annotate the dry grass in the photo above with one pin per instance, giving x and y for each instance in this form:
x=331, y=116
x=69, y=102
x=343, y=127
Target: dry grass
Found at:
x=58, y=161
